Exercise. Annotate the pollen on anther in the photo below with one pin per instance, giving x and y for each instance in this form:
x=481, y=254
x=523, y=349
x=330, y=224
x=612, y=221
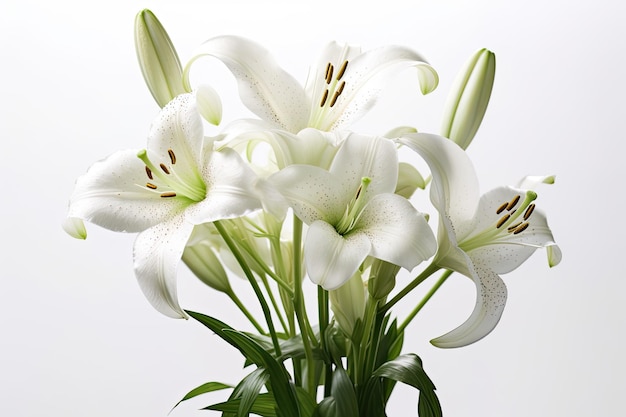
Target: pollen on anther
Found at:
x=172, y=156
x=513, y=202
x=521, y=228
x=324, y=97
x=168, y=194
x=329, y=73
x=502, y=221
x=149, y=173
x=342, y=70
x=529, y=211
x=151, y=186
x=335, y=97
x=502, y=207
x=511, y=228
x=164, y=168
x=341, y=86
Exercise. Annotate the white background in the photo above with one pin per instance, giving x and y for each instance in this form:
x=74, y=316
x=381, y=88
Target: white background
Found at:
x=77, y=337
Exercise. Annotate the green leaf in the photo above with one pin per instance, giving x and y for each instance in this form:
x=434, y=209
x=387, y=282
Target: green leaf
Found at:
x=282, y=388
x=372, y=402
x=264, y=405
x=203, y=389
x=342, y=390
x=306, y=402
x=408, y=369
x=248, y=390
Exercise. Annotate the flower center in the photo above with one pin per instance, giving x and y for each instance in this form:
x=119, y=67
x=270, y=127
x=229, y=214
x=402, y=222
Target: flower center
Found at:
x=513, y=220
x=164, y=180
x=333, y=88
x=354, y=208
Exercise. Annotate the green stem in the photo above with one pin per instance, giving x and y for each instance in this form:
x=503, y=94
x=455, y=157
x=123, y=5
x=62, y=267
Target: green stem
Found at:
x=322, y=305
x=270, y=293
x=255, y=286
x=299, y=307
x=245, y=311
x=430, y=269
x=426, y=298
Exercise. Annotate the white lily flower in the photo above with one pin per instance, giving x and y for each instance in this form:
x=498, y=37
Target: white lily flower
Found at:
x=479, y=237
x=342, y=85
x=178, y=182
x=352, y=212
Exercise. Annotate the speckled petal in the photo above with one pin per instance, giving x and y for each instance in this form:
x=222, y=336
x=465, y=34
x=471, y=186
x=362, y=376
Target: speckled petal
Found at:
x=312, y=193
x=264, y=87
x=454, y=190
x=157, y=253
x=399, y=234
x=330, y=258
x=491, y=297
x=113, y=194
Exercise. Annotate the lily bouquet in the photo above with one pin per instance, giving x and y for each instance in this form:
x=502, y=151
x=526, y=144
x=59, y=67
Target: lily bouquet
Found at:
x=295, y=195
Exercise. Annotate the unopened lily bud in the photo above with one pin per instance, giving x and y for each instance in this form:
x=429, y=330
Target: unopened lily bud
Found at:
x=203, y=262
x=158, y=59
x=409, y=180
x=382, y=279
x=348, y=303
x=468, y=98
x=209, y=104
x=75, y=227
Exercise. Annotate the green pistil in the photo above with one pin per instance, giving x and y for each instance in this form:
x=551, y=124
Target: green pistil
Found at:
x=513, y=220
x=175, y=186
x=354, y=208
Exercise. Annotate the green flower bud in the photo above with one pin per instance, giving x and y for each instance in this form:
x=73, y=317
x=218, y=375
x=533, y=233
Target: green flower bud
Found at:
x=468, y=99
x=382, y=279
x=158, y=59
x=203, y=262
x=348, y=303
x=409, y=180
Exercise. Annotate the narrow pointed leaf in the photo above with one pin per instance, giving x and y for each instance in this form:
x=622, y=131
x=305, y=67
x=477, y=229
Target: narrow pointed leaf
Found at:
x=203, y=389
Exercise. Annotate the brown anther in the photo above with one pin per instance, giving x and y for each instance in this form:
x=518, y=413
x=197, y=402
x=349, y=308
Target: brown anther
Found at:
x=172, y=156
x=529, y=211
x=342, y=70
x=168, y=194
x=511, y=228
x=335, y=97
x=149, y=173
x=502, y=207
x=151, y=186
x=341, y=86
x=513, y=202
x=164, y=168
x=329, y=73
x=324, y=97
x=520, y=229
x=502, y=221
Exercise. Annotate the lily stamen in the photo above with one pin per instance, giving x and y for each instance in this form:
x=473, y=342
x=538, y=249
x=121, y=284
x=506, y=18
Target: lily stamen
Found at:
x=164, y=168
x=513, y=202
x=324, y=97
x=329, y=73
x=529, y=211
x=149, y=173
x=172, y=156
x=342, y=70
x=502, y=208
x=354, y=208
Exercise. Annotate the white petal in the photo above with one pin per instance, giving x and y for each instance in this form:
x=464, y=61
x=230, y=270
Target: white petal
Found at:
x=330, y=258
x=178, y=128
x=230, y=189
x=75, y=227
x=112, y=194
x=313, y=193
x=532, y=181
x=490, y=300
x=554, y=255
x=308, y=147
x=367, y=156
x=454, y=190
x=399, y=234
x=157, y=253
x=264, y=87
x=365, y=76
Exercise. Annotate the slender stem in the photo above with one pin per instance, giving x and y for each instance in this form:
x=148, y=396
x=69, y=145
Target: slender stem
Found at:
x=322, y=306
x=430, y=269
x=270, y=293
x=426, y=298
x=299, y=307
x=255, y=286
x=245, y=311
